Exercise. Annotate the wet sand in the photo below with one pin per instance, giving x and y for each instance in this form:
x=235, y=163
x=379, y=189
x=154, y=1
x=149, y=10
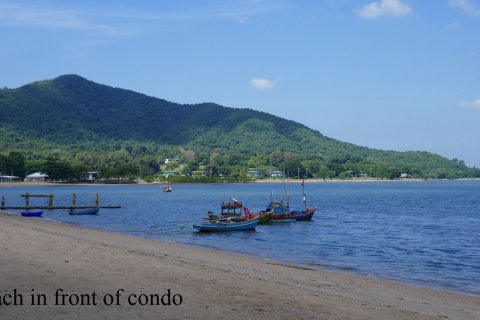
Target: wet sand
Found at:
x=45, y=256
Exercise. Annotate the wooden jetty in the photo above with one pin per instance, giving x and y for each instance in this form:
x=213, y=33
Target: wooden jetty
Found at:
x=51, y=206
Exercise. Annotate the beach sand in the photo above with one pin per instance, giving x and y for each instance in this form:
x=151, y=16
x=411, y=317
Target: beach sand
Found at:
x=45, y=256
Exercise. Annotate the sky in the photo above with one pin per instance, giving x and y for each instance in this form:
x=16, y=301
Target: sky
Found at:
x=389, y=74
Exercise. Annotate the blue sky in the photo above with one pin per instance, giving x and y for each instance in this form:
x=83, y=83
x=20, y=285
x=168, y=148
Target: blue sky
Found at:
x=390, y=74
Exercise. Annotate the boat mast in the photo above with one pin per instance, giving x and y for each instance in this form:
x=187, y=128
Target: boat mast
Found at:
x=284, y=168
x=286, y=199
x=304, y=199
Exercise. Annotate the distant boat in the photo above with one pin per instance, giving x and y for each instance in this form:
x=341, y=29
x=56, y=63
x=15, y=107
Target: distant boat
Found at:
x=87, y=211
x=226, y=224
x=167, y=188
x=32, y=213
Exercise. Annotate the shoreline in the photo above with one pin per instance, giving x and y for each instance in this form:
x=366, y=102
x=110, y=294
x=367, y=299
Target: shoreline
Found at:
x=293, y=264
x=43, y=184
x=45, y=255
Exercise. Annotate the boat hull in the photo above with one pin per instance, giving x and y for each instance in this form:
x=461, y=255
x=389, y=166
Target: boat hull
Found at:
x=264, y=217
x=294, y=216
x=226, y=225
x=80, y=212
x=32, y=213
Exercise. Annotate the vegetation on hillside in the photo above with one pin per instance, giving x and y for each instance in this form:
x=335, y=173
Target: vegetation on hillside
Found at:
x=70, y=125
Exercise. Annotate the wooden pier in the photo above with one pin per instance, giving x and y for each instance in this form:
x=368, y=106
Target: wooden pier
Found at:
x=51, y=206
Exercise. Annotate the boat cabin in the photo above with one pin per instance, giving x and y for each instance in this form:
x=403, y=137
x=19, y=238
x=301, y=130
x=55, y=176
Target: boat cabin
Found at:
x=233, y=208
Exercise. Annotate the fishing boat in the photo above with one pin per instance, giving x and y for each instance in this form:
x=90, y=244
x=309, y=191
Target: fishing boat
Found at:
x=226, y=224
x=87, y=211
x=235, y=208
x=167, y=188
x=32, y=213
x=280, y=210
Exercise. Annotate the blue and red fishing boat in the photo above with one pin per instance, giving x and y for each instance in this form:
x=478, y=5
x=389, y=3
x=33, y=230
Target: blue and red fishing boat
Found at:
x=280, y=210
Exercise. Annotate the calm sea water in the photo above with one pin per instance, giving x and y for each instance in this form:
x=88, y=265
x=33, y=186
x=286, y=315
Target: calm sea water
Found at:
x=425, y=232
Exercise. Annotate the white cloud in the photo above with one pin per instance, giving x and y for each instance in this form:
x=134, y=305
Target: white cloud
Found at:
x=262, y=84
x=453, y=26
x=475, y=104
x=469, y=7
x=384, y=8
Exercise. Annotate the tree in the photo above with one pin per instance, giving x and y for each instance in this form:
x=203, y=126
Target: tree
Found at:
x=14, y=164
x=58, y=169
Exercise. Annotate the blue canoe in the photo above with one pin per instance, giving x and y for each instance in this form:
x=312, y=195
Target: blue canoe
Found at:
x=83, y=211
x=32, y=213
x=226, y=224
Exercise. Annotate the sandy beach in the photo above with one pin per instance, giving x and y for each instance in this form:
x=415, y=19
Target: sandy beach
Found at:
x=111, y=274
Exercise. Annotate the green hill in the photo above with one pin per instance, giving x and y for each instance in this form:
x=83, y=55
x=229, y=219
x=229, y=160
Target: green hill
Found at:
x=83, y=125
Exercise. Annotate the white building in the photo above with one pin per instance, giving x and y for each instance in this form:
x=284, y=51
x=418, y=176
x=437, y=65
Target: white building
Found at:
x=37, y=177
x=276, y=174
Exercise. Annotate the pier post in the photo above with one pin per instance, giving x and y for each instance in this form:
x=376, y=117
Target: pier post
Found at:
x=3, y=201
x=97, y=201
x=50, y=201
x=74, y=200
x=27, y=200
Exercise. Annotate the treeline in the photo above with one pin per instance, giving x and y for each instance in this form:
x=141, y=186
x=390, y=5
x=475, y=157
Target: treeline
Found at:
x=136, y=160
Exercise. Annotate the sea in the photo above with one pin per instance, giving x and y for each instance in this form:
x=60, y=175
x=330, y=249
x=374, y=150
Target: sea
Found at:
x=425, y=233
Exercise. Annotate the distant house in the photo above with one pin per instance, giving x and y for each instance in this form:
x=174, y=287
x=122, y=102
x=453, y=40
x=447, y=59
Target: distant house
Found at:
x=90, y=176
x=276, y=174
x=6, y=178
x=167, y=173
x=404, y=176
x=37, y=177
x=198, y=173
x=254, y=174
x=354, y=173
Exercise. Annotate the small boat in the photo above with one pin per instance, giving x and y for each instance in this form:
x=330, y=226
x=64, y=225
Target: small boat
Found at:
x=167, y=188
x=226, y=224
x=32, y=213
x=86, y=211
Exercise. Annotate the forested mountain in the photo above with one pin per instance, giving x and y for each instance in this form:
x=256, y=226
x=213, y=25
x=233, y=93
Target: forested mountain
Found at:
x=73, y=122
